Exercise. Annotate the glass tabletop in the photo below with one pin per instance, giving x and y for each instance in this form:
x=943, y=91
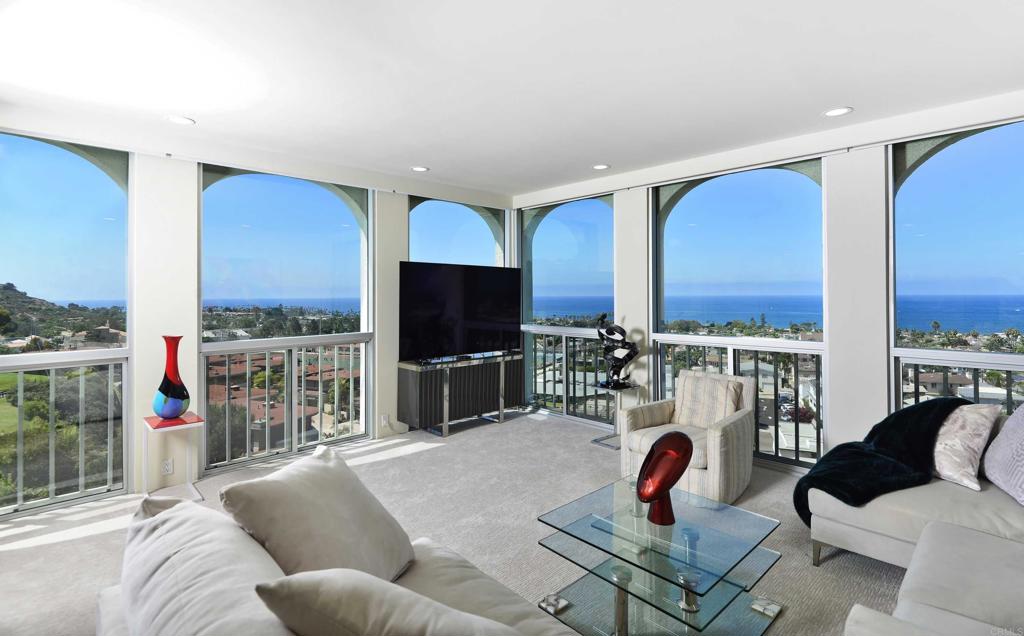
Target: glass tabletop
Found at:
x=706, y=542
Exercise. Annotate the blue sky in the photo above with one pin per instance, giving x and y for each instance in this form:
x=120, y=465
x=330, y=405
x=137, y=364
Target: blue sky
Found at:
x=445, y=232
x=749, y=233
x=572, y=250
x=63, y=224
x=959, y=218
x=267, y=236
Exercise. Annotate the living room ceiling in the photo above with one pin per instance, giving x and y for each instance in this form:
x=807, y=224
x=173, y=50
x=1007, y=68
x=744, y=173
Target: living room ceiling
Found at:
x=502, y=97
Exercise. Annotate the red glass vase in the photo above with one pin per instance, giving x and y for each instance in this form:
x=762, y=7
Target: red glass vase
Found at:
x=171, y=399
x=665, y=463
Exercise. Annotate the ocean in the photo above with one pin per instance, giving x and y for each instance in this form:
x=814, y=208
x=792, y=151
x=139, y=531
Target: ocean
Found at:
x=985, y=314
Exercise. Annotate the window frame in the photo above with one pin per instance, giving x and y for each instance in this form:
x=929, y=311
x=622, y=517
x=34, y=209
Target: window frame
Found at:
x=948, y=358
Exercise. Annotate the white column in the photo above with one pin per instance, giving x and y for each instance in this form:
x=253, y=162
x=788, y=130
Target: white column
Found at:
x=856, y=375
x=632, y=279
x=164, y=299
x=391, y=246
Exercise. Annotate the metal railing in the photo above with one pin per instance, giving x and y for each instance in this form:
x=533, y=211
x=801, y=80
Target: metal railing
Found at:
x=787, y=373
x=983, y=378
x=264, y=398
x=564, y=366
x=61, y=431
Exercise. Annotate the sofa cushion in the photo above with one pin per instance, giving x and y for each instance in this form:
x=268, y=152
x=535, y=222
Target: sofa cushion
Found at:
x=641, y=441
x=315, y=514
x=191, y=570
x=444, y=576
x=702, y=400
x=961, y=581
x=1004, y=460
x=903, y=514
x=961, y=441
x=342, y=602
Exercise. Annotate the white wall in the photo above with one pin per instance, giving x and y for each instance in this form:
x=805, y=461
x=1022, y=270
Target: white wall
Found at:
x=164, y=299
x=856, y=372
x=391, y=246
x=632, y=281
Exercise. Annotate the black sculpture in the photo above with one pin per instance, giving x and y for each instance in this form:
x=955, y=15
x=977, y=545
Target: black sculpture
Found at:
x=618, y=352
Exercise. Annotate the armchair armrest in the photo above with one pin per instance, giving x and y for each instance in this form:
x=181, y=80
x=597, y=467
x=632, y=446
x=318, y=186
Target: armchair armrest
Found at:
x=730, y=453
x=647, y=415
x=863, y=621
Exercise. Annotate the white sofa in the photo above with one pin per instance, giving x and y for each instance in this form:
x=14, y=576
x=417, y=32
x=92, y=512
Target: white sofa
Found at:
x=234, y=608
x=722, y=448
x=888, y=527
x=960, y=582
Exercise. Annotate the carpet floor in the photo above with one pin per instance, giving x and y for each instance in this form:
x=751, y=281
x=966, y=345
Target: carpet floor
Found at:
x=478, y=491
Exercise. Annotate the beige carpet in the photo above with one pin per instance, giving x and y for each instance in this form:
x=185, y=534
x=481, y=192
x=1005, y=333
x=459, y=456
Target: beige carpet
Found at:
x=478, y=491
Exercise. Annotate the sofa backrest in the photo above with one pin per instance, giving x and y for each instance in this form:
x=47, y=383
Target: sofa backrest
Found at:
x=748, y=397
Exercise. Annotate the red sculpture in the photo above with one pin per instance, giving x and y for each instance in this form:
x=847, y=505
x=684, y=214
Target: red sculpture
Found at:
x=664, y=465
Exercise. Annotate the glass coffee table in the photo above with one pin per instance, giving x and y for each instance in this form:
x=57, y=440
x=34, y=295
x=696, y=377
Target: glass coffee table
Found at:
x=693, y=577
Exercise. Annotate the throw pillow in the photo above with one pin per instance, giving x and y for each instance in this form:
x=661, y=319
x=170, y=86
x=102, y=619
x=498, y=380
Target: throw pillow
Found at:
x=342, y=602
x=702, y=400
x=1004, y=461
x=315, y=514
x=191, y=570
x=961, y=442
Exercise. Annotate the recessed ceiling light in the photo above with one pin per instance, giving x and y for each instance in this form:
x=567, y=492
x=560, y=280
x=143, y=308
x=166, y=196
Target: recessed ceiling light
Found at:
x=838, y=112
x=181, y=120
x=601, y=166
x=420, y=169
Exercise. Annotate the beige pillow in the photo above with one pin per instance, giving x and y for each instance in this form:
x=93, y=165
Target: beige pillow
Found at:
x=191, y=570
x=315, y=514
x=344, y=602
x=702, y=400
x=961, y=442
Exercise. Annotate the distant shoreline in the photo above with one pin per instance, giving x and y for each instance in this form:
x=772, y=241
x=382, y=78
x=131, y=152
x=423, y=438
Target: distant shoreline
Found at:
x=986, y=313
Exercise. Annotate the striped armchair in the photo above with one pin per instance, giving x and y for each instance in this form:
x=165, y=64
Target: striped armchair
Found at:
x=717, y=412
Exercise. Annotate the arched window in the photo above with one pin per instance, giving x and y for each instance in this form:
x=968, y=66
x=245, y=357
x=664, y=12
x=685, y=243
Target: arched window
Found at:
x=62, y=253
x=567, y=263
x=958, y=216
x=741, y=254
x=446, y=232
x=281, y=256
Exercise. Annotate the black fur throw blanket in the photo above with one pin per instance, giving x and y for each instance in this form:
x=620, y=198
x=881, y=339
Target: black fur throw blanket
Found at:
x=898, y=453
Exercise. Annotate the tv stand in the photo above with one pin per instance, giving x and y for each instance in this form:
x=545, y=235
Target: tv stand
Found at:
x=433, y=394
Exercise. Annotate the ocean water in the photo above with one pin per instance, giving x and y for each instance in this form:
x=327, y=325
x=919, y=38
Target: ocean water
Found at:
x=985, y=314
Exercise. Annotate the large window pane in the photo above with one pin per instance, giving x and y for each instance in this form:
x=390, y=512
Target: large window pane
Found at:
x=741, y=254
x=567, y=263
x=959, y=264
x=446, y=232
x=62, y=261
x=281, y=256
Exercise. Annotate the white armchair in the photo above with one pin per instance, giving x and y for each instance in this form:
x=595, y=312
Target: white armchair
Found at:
x=717, y=412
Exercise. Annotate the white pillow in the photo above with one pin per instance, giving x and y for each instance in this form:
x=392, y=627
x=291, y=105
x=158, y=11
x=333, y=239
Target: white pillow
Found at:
x=343, y=602
x=961, y=442
x=1004, y=461
x=192, y=570
x=315, y=514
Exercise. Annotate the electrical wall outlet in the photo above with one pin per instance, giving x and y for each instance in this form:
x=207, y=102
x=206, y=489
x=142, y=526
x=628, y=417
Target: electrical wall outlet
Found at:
x=385, y=424
x=167, y=467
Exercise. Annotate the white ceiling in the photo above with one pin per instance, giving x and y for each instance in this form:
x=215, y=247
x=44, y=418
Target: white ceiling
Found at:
x=503, y=97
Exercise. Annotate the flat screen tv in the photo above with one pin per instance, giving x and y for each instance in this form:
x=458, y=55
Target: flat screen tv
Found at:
x=451, y=310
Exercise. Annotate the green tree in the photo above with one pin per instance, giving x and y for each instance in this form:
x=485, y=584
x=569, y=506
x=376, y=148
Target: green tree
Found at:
x=5, y=320
x=936, y=326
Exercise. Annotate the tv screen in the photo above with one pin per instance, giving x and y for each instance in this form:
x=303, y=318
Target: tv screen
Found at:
x=450, y=310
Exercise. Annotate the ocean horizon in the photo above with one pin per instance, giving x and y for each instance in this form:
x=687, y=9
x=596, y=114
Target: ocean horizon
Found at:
x=984, y=313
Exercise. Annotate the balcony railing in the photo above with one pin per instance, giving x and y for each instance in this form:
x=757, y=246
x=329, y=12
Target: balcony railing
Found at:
x=564, y=367
x=788, y=379
x=983, y=378
x=263, y=398
x=61, y=433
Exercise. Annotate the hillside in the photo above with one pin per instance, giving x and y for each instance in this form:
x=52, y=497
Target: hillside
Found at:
x=23, y=315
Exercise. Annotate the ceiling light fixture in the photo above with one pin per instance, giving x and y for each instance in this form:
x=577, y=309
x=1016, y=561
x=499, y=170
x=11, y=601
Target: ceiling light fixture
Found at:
x=181, y=120
x=420, y=169
x=838, y=112
x=601, y=166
